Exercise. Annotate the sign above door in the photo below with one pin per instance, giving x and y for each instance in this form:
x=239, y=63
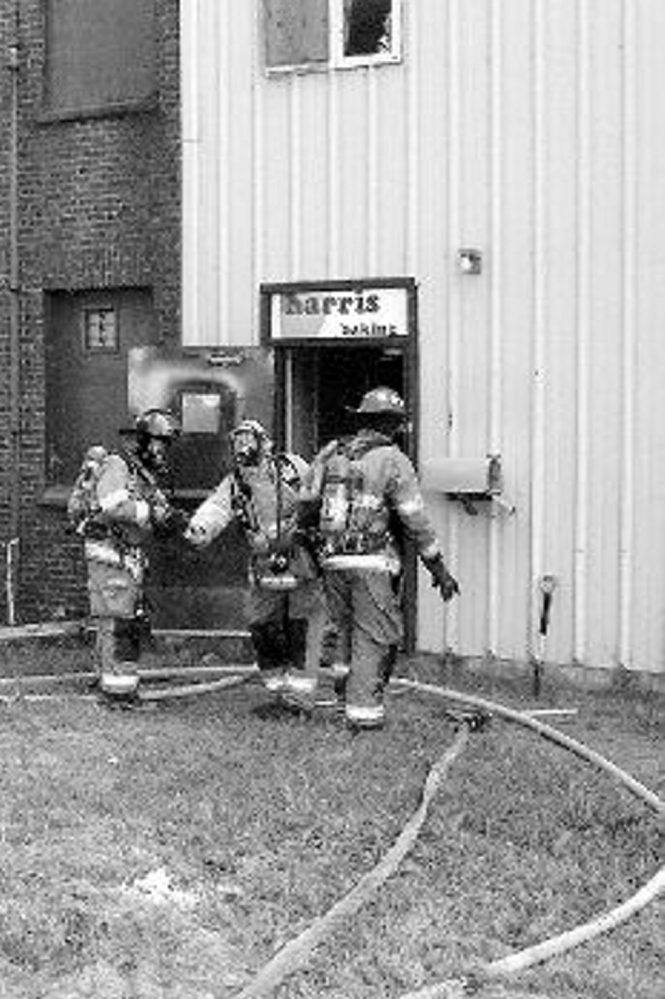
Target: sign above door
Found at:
x=338, y=311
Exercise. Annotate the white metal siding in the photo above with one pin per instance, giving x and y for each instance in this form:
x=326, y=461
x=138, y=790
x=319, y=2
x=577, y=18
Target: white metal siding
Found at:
x=534, y=131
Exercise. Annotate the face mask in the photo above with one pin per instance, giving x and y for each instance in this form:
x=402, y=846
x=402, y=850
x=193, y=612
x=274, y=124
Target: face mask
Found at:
x=154, y=454
x=245, y=449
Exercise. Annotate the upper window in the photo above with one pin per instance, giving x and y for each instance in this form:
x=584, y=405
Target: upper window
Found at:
x=339, y=33
x=100, y=54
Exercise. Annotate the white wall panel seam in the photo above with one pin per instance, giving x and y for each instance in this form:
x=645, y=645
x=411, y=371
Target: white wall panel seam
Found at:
x=295, y=177
x=223, y=94
x=333, y=174
x=453, y=312
x=629, y=179
x=582, y=455
x=496, y=307
x=539, y=321
x=191, y=191
x=372, y=170
x=258, y=189
x=410, y=38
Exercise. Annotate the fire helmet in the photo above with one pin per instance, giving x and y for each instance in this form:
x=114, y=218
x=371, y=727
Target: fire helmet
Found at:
x=381, y=401
x=249, y=440
x=250, y=427
x=158, y=423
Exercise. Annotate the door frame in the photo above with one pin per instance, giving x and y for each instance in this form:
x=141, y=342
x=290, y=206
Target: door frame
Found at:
x=407, y=345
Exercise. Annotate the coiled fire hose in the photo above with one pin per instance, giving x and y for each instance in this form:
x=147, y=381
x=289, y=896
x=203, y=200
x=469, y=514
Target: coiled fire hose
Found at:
x=294, y=954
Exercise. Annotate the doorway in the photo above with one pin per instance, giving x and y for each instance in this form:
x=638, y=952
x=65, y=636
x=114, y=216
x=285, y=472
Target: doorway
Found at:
x=316, y=385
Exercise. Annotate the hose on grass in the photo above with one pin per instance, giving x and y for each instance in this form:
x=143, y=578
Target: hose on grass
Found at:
x=294, y=954
x=554, y=946
x=193, y=689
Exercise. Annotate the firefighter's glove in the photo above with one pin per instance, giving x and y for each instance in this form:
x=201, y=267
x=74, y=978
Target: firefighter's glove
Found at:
x=441, y=578
x=167, y=519
x=196, y=534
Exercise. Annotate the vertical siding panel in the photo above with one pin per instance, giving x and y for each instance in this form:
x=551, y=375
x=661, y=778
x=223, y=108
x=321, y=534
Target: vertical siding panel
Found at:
x=222, y=179
x=495, y=404
x=559, y=248
x=238, y=102
x=517, y=228
x=648, y=608
x=649, y=604
x=275, y=172
x=626, y=542
x=582, y=330
x=314, y=188
x=435, y=273
x=191, y=165
x=257, y=176
x=538, y=373
x=393, y=193
x=353, y=173
x=475, y=102
x=334, y=196
x=453, y=312
x=295, y=178
x=372, y=174
x=208, y=98
x=604, y=312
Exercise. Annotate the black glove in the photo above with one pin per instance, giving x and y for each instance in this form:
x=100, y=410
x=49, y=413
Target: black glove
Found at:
x=441, y=578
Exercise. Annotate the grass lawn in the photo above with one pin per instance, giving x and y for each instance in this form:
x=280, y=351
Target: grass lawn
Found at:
x=166, y=854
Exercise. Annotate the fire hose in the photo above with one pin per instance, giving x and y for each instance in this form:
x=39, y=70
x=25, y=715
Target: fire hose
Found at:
x=294, y=954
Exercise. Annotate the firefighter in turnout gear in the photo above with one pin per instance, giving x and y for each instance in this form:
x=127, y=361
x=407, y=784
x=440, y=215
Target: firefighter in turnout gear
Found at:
x=360, y=498
x=129, y=504
x=285, y=605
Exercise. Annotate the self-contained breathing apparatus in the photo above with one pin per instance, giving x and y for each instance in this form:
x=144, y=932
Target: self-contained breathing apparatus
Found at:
x=260, y=480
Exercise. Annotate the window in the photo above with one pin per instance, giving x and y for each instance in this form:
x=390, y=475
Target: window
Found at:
x=100, y=54
x=340, y=33
x=100, y=328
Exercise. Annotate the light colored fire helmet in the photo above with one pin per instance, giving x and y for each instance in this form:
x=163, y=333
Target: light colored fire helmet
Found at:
x=381, y=401
x=158, y=423
x=248, y=440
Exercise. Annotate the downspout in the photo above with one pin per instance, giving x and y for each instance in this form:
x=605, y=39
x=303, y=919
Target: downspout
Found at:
x=12, y=551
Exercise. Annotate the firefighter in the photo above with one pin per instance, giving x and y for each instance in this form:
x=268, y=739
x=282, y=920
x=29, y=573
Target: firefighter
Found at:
x=361, y=497
x=129, y=505
x=285, y=605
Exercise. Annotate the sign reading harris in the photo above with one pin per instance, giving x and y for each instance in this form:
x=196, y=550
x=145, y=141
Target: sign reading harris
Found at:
x=353, y=313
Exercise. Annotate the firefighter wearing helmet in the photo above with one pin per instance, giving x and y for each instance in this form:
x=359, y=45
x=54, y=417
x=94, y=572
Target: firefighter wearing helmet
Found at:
x=285, y=606
x=360, y=497
x=128, y=505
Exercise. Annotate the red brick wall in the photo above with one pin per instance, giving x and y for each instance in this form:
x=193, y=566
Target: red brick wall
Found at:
x=99, y=207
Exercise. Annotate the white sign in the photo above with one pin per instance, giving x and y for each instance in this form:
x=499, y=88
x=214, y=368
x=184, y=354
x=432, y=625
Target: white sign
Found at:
x=353, y=313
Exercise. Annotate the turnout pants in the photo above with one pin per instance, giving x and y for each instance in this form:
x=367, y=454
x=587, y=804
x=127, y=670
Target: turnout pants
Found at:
x=115, y=595
x=287, y=632
x=366, y=613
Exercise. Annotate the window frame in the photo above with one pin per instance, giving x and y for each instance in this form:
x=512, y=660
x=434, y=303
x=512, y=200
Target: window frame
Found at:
x=337, y=60
x=98, y=308
x=54, y=109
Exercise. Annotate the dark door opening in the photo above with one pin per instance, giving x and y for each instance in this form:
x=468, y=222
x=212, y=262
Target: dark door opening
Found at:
x=315, y=387
x=318, y=385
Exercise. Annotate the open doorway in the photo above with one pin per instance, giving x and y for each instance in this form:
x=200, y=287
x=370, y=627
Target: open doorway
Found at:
x=317, y=385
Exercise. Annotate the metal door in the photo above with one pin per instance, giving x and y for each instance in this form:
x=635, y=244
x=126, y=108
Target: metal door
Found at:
x=210, y=391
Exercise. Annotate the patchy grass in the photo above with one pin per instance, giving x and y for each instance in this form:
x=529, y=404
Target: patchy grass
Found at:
x=167, y=854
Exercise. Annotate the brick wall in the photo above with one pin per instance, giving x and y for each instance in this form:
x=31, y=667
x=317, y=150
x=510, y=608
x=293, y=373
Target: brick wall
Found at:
x=99, y=207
